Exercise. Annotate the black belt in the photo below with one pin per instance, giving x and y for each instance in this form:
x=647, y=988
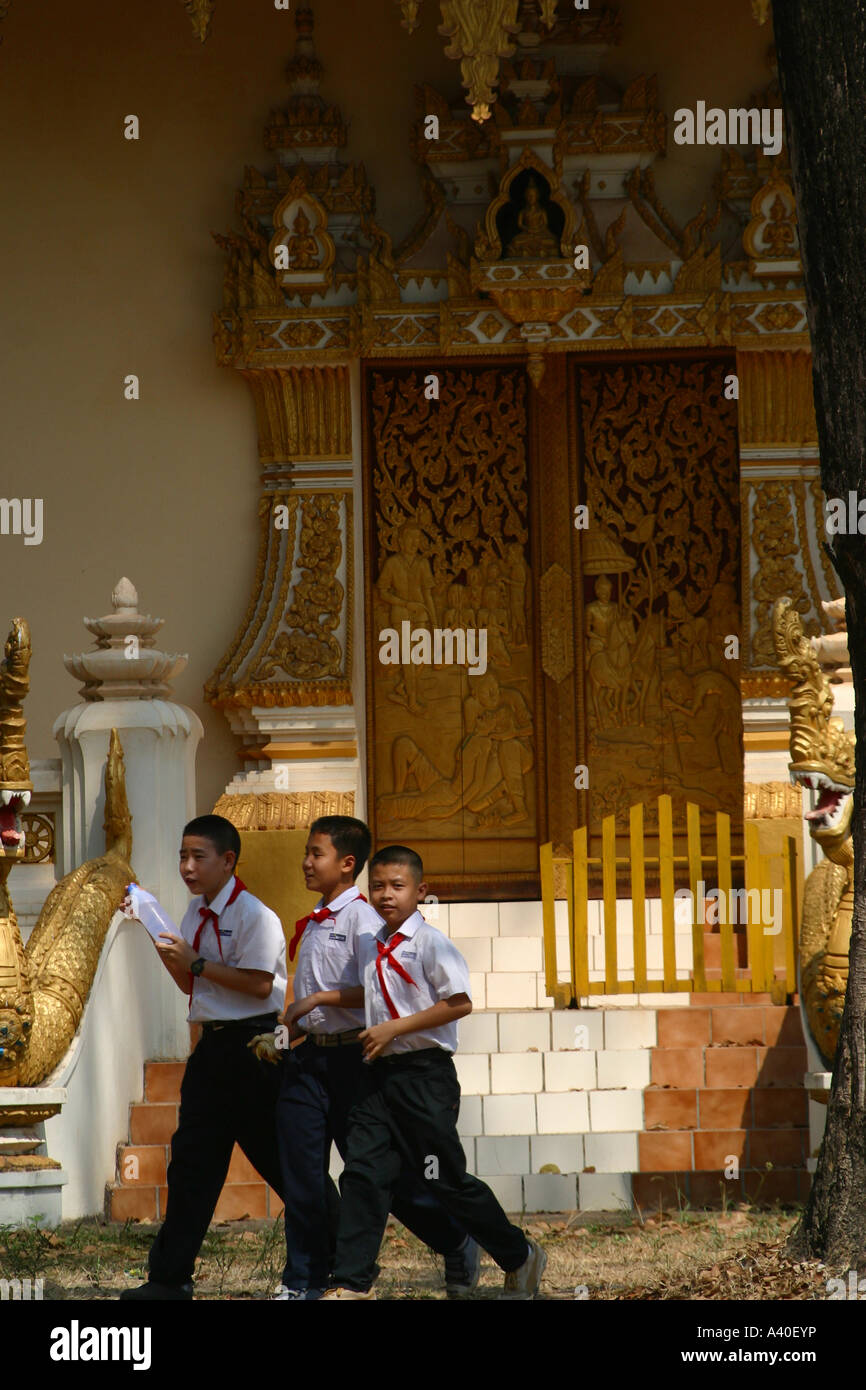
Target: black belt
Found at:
x=335, y=1039
x=414, y=1054
x=262, y=1022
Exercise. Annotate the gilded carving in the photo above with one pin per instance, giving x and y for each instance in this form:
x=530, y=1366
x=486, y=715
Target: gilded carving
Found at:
x=44, y=987
x=200, y=13
x=660, y=568
x=557, y=623
x=283, y=810
x=479, y=38
x=772, y=800
x=453, y=750
x=774, y=540
x=776, y=402
x=822, y=759
x=308, y=649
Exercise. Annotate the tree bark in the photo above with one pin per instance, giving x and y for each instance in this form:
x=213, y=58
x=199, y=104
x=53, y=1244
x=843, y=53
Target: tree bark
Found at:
x=821, y=49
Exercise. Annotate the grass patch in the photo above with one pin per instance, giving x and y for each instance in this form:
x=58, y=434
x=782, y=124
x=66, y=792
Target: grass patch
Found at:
x=734, y=1255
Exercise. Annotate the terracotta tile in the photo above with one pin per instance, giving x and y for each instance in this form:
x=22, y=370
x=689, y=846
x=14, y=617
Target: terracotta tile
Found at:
x=141, y=1163
x=730, y=1066
x=716, y=1148
x=132, y=1204
x=664, y=1152
x=275, y=1203
x=740, y=1025
x=759, y=998
x=725, y=1109
x=783, y=1107
x=655, y=1191
x=706, y=1189
x=716, y=998
x=762, y=1189
x=162, y=1080
x=240, y=1168
x=712, y=951
x=804, y=1184
x=240, y=1200
x=783, y=1026
x=782, y=1066
x=677, y=1066
x=784, y=1148
x=152, y=1124
x=670, y=1110
x=683, y=1027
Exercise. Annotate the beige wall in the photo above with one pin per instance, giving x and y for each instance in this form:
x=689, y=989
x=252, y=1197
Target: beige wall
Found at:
x=107, y=267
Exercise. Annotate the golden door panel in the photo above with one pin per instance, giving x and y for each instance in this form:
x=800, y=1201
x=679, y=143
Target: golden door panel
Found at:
x=658, y=591
x=451, y=704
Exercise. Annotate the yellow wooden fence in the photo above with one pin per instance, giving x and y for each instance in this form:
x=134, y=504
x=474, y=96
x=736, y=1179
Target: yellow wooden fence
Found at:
x=771, y=968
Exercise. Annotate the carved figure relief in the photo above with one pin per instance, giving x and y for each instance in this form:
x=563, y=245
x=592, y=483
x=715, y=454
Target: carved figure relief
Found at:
x=453, y=743
x=660, y=565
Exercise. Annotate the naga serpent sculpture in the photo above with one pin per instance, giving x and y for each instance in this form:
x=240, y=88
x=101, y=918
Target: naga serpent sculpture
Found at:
x=44, y=986
x=822, y=759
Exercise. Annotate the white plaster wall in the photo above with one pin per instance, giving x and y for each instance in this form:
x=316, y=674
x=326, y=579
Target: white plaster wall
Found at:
x=134, y=1013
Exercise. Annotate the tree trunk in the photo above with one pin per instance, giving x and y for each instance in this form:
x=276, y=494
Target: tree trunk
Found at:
x=821, y=50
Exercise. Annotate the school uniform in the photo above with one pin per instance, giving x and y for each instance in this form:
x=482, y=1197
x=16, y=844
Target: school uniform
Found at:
x=321, y=1078
x=406, y=1114
x=227, y=1095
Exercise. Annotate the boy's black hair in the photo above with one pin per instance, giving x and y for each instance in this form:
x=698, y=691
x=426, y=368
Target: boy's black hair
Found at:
x=399, y=854
x=221, y=833
x=348, y=836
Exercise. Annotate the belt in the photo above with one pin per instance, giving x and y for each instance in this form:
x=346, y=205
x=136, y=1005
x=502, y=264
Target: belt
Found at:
x=335, y=1039
x=262, y=1021
x=414, y=1054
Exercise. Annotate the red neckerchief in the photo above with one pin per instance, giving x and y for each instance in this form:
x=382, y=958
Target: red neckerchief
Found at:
x=208, y=915
x=319, y=914
x=384, y=955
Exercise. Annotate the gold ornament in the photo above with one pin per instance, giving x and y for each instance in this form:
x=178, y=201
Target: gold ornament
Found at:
x=479, y=31
x=44, y=987
x=822, y=759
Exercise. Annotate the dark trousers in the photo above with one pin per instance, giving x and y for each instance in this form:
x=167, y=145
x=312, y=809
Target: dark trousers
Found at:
x=227, y=1095
x=406, y=1118
x=320, y=1085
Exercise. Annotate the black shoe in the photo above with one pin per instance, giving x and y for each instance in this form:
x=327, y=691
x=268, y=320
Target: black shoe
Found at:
x=463, y=1269
x=152, y=1291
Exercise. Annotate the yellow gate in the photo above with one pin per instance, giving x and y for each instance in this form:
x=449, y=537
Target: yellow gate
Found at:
x=771, y=967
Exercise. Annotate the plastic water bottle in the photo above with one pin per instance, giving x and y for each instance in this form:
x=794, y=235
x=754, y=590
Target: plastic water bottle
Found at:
x=149, y=911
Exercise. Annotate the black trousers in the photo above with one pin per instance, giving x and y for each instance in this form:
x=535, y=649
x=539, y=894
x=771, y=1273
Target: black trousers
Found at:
x=406, y=1118
x=320, y=1085
x=226, y=1095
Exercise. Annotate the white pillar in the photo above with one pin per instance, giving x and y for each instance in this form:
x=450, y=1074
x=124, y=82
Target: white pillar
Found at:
x=126, y=688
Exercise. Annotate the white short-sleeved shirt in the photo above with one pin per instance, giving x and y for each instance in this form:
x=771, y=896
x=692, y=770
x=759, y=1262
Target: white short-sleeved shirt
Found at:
x=438, y=971
x=252, y=938
x=328, y=959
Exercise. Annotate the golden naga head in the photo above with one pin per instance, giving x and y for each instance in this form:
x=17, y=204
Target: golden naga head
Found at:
x=15, y=783
x=822, y=750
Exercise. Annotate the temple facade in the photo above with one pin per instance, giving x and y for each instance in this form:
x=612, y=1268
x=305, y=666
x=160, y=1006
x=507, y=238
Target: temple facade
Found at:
x=450, y=392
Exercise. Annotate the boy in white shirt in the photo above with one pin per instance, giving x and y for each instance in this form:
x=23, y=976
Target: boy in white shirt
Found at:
x=321, y=1076
x=230, y=959
x=416, y=987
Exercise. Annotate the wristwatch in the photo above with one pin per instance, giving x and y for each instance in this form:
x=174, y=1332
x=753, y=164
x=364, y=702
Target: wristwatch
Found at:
x=197, y=966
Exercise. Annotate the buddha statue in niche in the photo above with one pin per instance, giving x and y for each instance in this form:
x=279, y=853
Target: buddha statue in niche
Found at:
x=535, y=237
x=302, y=247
